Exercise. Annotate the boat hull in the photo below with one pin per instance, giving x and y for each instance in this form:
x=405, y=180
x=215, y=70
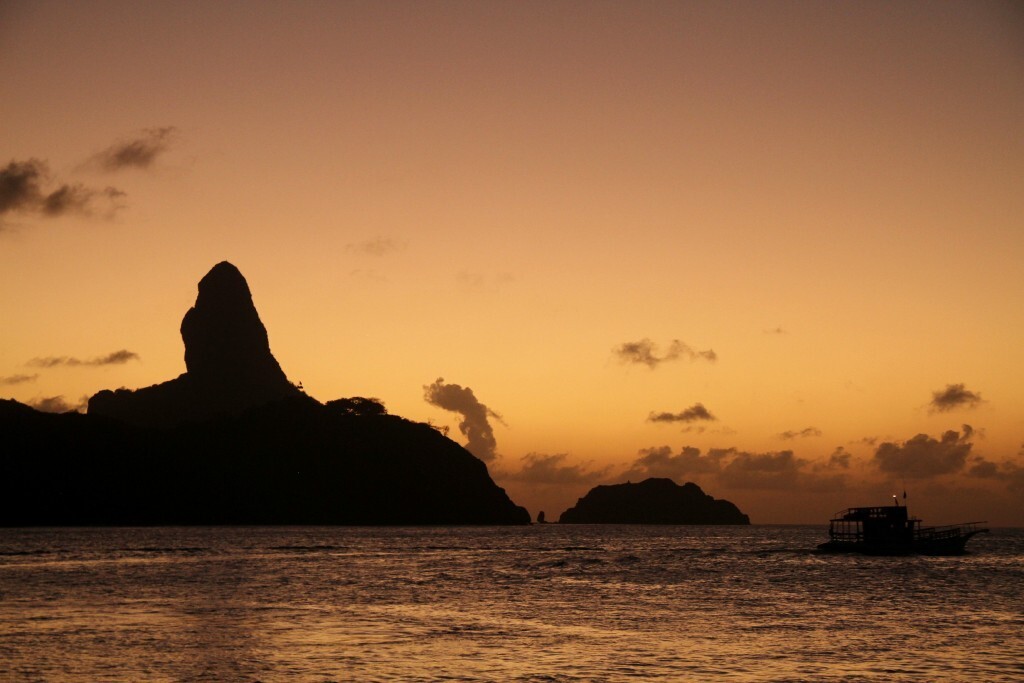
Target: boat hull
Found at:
x=955, y=545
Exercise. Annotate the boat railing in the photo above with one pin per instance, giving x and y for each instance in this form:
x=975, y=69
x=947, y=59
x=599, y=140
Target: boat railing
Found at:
x=951, y=530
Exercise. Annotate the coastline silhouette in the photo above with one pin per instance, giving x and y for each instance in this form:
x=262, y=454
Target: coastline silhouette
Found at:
x=232, y=441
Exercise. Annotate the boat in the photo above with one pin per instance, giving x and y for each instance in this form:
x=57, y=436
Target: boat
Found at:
x=889, y=530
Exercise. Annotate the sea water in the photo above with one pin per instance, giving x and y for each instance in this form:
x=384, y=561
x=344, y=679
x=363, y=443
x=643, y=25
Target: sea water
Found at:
x=538, y=603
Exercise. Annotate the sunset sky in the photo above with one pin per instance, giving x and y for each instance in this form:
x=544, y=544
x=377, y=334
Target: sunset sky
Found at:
x=774, y=248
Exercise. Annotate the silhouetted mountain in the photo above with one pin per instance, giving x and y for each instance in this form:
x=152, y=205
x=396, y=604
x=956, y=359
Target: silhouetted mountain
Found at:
x=228, y=362
x=652, y=501
x=231, y=441
x=292, y=461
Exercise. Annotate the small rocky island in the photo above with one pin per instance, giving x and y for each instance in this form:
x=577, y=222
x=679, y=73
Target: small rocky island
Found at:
x=652, y=501
x=232, y=441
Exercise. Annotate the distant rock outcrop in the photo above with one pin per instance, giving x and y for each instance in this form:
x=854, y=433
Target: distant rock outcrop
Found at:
x=231, y=441
x=652, y=501
x=229, y=366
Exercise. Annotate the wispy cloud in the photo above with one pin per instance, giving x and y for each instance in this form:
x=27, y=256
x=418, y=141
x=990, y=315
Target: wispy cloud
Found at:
x=923, y=456
x=26, y=187
x=378, y=246
x=116, y=358
x=540, y=468
x=139, y=151
x=645, y=352
x=952, y=397
x=57, y=404
x=11, y=380
x=695, y=413
x=802, y=434
x=475, y=425
x=473, y=281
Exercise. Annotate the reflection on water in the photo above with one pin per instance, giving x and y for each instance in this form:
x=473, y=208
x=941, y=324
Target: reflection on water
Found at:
x=537, y=603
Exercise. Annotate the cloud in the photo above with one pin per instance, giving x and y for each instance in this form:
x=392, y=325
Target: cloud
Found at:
x=738, y=469
x=11, y=380
x=378, y=246
x=116, y=358
x=57, y=404
x=952, y=397
x=924, y=457
x=984, y=469
x=694, y=413
x=1014, y=475
x=644, y=352
x=775, y=470
x=138, y=152
x=540, y=468
x=660, y=462
x=475, y=425
x=840, y=458
x=777, y=330
x=802, y=434
x=19, y=185
x=25, y=187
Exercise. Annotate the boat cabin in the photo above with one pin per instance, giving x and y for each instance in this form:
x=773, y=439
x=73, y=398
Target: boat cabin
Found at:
x=884, y=522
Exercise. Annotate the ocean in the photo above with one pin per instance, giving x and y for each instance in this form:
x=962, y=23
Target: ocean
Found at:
x=537, y=603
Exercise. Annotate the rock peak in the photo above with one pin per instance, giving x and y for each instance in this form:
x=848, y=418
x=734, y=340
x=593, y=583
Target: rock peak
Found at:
x=226, y=277
x=229, y=366
x=223, y=334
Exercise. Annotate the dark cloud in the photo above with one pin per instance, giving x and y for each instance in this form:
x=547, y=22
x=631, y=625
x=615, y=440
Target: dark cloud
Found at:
x=776, y=470
x=19, y=185
x=475, y=425
x=840, y=458
x=644, y=352
x=1014, y=475
x=379, y=246
x=68, y=199
x=983, y=469
x=540, y=468
x=737, y=469
x=11, y=380
x=57, y=404
x=952, y=397
x=116, y=358
x=802, y=434
x=923, y=457
x=777, y=330
x=26, y=187
x=138, y=152
x=695, y=413
x=660, y=462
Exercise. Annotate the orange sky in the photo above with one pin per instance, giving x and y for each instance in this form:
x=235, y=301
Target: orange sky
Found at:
x=508, y=194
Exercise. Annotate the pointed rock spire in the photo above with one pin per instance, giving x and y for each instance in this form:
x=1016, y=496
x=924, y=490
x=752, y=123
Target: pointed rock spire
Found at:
x=229, y=366
x=225, y=340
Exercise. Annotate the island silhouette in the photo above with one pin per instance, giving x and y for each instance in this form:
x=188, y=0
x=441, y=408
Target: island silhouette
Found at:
x=652, y=501
x=232, y=441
